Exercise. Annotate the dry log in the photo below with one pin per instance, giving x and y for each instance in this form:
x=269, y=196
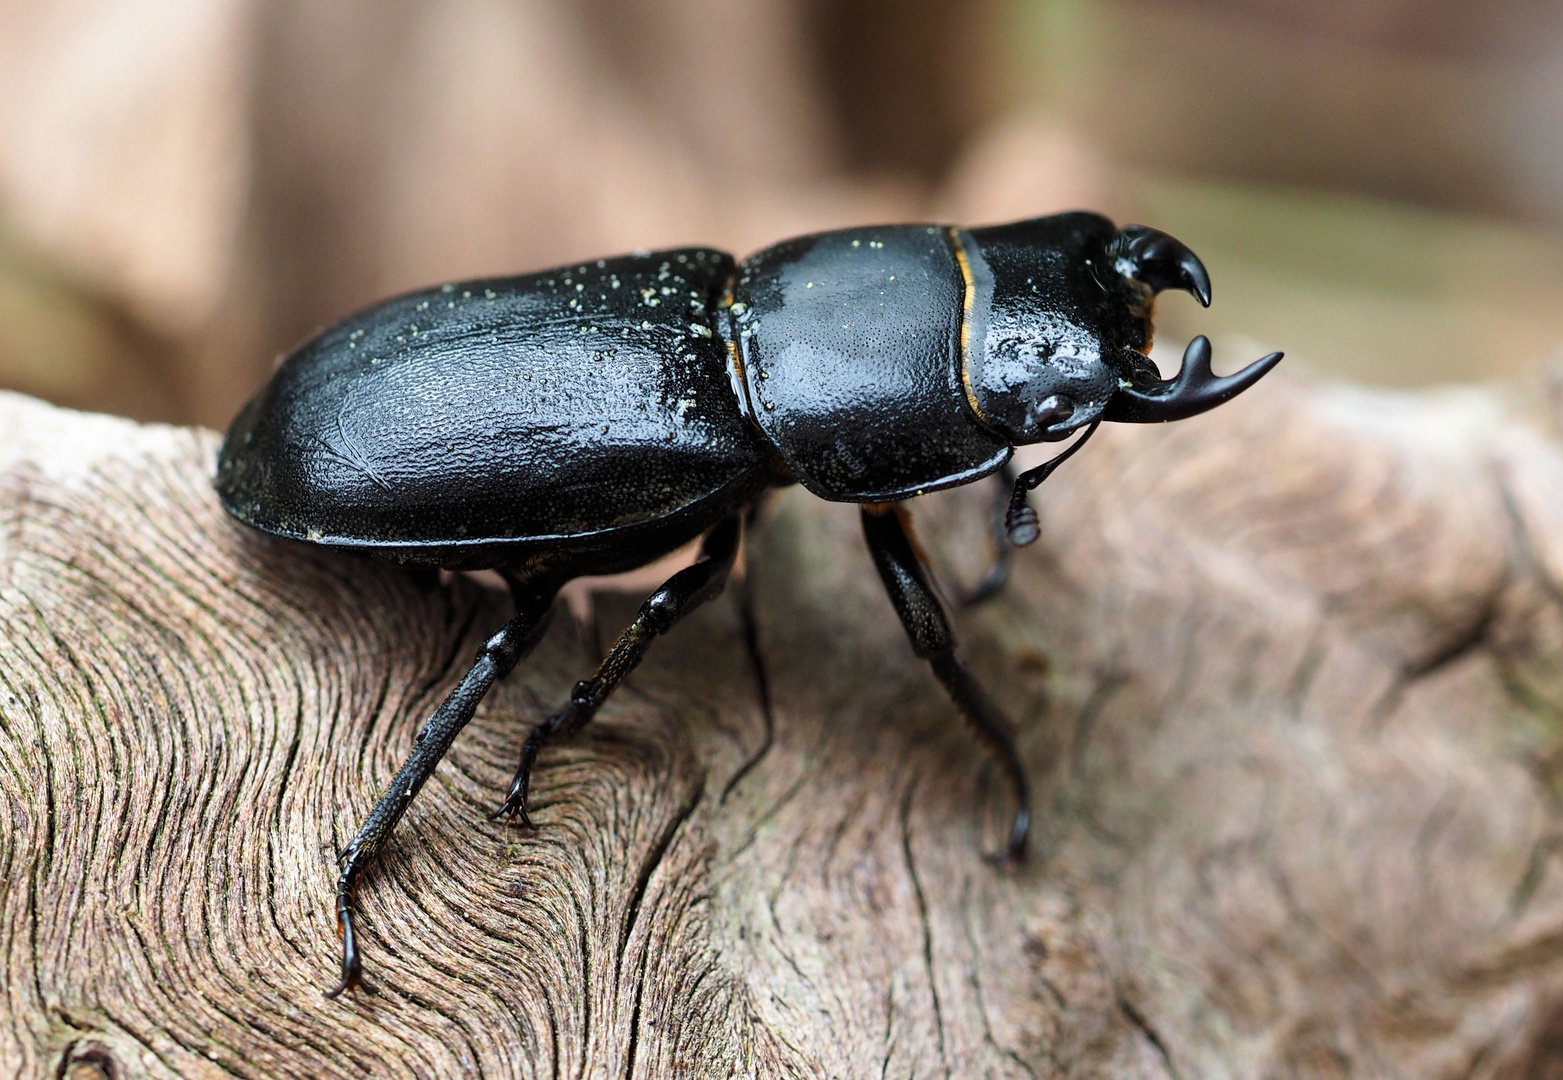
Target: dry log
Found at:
x=1289, y=680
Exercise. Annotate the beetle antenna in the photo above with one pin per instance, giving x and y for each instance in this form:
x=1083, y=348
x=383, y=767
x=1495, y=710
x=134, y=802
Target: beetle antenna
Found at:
x=1020, y=520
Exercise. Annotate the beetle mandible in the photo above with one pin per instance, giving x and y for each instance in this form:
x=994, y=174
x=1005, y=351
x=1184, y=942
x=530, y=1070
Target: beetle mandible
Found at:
x=591, y=419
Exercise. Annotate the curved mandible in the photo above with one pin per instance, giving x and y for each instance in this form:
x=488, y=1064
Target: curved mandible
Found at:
x=1161, y=261
x=1193, y=390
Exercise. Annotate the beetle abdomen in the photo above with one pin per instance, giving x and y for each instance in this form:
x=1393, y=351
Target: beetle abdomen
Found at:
x=850, y=343
x=564, y=404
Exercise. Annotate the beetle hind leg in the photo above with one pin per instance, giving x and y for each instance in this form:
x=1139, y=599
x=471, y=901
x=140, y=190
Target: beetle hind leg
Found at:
x=679, y=595
x=498, y=656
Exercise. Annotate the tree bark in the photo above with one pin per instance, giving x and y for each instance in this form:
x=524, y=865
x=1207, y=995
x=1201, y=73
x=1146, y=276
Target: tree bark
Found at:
x=1289, y=686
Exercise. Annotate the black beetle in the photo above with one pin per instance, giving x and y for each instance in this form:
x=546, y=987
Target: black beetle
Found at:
x=593, y=418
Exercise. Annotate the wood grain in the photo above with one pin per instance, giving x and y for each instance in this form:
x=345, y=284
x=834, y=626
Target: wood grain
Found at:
x=1289, y=680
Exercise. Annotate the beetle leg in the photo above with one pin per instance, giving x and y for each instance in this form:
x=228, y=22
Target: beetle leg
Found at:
x=998, y=570
x=907, y=580
x=677, y=597
x=498, y=656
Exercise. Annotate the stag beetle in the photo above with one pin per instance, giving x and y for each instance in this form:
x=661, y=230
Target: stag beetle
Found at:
x=593, y=418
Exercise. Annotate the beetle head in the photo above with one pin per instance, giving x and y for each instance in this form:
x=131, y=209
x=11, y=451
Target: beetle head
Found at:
x=1059, y=327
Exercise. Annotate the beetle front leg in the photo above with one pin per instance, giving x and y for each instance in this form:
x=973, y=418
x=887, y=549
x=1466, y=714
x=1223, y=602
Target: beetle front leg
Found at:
x=498, y=656
x=997, y=575
x=677, y=597
x=906, y=577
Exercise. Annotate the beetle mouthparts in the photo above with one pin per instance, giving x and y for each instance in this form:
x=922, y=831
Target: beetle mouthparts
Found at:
x=1193, y=390
x=1161, y=261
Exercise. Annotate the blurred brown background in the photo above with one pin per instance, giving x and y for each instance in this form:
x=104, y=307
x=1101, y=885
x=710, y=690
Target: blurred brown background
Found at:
x=188, y=187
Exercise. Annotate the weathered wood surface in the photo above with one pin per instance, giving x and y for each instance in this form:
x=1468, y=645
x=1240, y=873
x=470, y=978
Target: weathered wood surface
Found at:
x=1290, y=682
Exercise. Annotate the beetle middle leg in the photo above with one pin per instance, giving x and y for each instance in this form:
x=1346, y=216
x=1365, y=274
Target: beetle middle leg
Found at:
x=496, y=659
x=906, y=578
x=677, y=597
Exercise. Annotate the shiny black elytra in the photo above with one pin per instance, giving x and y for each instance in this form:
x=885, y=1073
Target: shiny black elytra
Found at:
x=593, y=418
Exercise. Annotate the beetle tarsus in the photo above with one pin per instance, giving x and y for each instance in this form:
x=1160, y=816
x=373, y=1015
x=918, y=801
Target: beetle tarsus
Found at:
x=1015, y=850
x=352, y=965
x=514, y=806
x=996, y=731
x=495, y=660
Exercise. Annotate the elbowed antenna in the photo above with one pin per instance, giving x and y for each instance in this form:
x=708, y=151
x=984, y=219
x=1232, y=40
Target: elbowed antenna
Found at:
x=1161, y=261
x=1193, y=390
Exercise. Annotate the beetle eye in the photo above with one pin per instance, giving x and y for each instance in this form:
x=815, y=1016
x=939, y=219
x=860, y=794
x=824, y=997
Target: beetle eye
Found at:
x=1053, y=409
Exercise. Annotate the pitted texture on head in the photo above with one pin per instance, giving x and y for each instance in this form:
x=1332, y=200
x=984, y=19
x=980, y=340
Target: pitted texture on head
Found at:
x=1055, y=327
